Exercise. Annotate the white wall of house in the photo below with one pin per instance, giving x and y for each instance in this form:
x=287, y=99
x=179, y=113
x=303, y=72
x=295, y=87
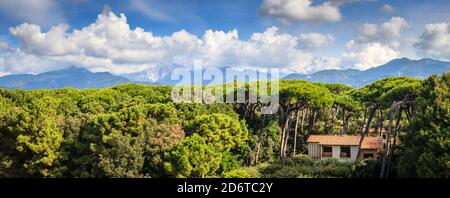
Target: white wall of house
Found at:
x=315, y=152
x=336, y=152
x=353, y=153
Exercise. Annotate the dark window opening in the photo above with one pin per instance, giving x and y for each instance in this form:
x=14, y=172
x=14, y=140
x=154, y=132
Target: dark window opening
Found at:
x=368, y=155
x=327, y=151
x=345, y=151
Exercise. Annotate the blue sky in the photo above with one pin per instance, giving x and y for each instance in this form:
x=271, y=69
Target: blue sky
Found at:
x=300, y=35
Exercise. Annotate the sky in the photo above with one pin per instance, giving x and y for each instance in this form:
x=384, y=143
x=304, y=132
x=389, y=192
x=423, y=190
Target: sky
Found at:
x=145, y=39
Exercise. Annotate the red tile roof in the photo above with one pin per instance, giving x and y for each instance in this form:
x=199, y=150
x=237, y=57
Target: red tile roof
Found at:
x=346, y=140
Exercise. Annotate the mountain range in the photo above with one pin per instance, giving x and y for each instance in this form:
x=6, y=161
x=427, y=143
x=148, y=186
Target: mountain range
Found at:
x=419, y=69
x=82, y=78
x=167, y=80
x=70, y=77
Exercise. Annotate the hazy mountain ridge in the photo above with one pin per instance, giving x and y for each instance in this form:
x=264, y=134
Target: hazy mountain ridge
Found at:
x=69, y=77
x=398, y=67
x=83, y=78
x=167, y=79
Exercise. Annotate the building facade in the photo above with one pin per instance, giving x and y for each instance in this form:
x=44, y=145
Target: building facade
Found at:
x=343, y=147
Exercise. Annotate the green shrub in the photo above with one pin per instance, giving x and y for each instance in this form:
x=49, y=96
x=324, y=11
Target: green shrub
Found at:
x=238, y=173
x=303, y=167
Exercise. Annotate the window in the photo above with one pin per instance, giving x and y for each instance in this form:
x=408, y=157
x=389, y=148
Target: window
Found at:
x=384, y=136
x=345, y=151
x=368, y=155
x=327, y=151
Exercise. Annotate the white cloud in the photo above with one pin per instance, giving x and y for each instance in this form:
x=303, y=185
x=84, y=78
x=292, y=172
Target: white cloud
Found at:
x=314, y=40
x=110, y=45
x=34, y=41
x=300, y=10
x=387, y=32
x=17, y=61
x=4, y=47
x=376, y=44
x=42, y=12
x=369, y=55
x=435, y=40
x=389, y=9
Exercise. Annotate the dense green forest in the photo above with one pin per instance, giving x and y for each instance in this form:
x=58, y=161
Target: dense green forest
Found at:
x=137, y=131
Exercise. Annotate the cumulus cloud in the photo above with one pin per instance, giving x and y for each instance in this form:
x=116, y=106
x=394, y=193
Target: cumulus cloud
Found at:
x=435, y=40
x=376, y=44
x=111, y=45
x=300, y=10
x=369, y=55
x=4, y=47
x=314, y=40
x=36, y=11
x=386, y=32
x=388, y=9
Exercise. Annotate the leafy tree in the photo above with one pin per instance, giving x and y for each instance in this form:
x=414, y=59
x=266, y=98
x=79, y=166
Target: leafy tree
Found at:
x=296, y=95
x=381, y=95
x=223, y=131
x=426, y=148
x=229, y=162
x=267, y=143
x=162, y=138
x=193, y=157
x=166, y=113
x=148, y=94
x=127, y=143
x=39, y=138
x=113, y=145
x=237, y=173
x=9, y=162
x=102, y=101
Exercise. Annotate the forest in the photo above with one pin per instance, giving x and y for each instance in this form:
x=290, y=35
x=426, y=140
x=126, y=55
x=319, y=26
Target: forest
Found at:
x=136, y=131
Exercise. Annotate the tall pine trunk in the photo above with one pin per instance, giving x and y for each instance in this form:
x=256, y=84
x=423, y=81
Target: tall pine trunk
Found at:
x=283, y=136
x=347, y=120
x=261, y=131
x=394, y=143
x=295, y=130
x=365, y=130
x=392, y=112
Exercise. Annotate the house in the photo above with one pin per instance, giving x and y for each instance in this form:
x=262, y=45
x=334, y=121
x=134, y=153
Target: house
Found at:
x=382, y=132
x=343, y=147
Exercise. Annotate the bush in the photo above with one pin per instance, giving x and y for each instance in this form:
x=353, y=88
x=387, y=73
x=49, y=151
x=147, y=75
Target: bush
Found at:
x=238, y=173
x=303, y=166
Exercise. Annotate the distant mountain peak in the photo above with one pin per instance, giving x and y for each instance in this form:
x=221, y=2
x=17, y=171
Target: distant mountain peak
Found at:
x=72, y=68
x=420, y=69
x=398, y=60
x=404, y=59
x=76, y=77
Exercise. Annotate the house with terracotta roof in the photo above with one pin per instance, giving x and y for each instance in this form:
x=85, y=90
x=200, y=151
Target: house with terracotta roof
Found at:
x=344, y=147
